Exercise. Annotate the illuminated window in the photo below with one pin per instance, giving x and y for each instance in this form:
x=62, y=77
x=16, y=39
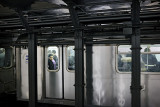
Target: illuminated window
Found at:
x=5, y=57
x=53, y=58
x=124, y=58
x=70, y=58
x=150, y=58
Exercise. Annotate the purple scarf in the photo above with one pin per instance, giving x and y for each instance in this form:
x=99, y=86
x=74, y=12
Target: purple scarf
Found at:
x=54, y=63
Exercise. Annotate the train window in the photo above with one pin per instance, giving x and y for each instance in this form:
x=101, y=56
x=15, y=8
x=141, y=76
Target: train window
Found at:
x=124, y=58
x=70, y=58
x=150, y=58
x=2, y=57
x=150, y=55
x=53, y=58
x=5, y=57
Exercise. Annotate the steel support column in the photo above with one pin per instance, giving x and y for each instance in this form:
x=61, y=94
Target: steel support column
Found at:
x=89, y=74
x=79, y=59
x=136, y=65
x=32, y=52
x=32, y=64
x=79, y=70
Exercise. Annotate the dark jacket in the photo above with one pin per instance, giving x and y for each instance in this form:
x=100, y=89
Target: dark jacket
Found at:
x=50, y=65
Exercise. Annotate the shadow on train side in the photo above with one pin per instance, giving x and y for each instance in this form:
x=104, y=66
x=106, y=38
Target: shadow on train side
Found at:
x=8, y=100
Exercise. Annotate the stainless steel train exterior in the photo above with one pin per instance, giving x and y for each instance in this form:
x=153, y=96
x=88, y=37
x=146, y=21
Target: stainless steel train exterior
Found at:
x=105, y=85
x=7, y=70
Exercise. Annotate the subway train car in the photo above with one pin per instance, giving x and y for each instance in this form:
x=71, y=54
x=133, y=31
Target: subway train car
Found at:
x=108, y=83
x=7, y=70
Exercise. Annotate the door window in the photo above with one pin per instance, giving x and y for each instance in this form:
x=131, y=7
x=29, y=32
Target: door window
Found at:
x=5, y=57
x=70, y=58
x=53, y=58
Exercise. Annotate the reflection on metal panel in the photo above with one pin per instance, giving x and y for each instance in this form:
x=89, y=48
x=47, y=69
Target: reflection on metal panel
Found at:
x=24, y=73
x=102, y=76
x=122, y=92
x=39, y=71
x=69, y=81
x=53, y=80
x=153, y=90
x=144, y=91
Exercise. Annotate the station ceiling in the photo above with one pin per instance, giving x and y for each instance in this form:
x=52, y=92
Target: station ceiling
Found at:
x=101, y=19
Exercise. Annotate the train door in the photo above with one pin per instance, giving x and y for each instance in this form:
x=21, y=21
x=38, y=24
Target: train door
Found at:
x=53, y=72
x=59, y=72
x=22, y=72
x=69, y=72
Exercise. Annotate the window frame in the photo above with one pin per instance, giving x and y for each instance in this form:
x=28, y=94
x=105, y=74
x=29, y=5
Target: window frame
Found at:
x=71, y=71
x=11, y=61
x=46, y=58
x=116, y=60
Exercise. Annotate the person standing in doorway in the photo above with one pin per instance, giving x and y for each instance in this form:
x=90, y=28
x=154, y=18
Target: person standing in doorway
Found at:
x=51, y=62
